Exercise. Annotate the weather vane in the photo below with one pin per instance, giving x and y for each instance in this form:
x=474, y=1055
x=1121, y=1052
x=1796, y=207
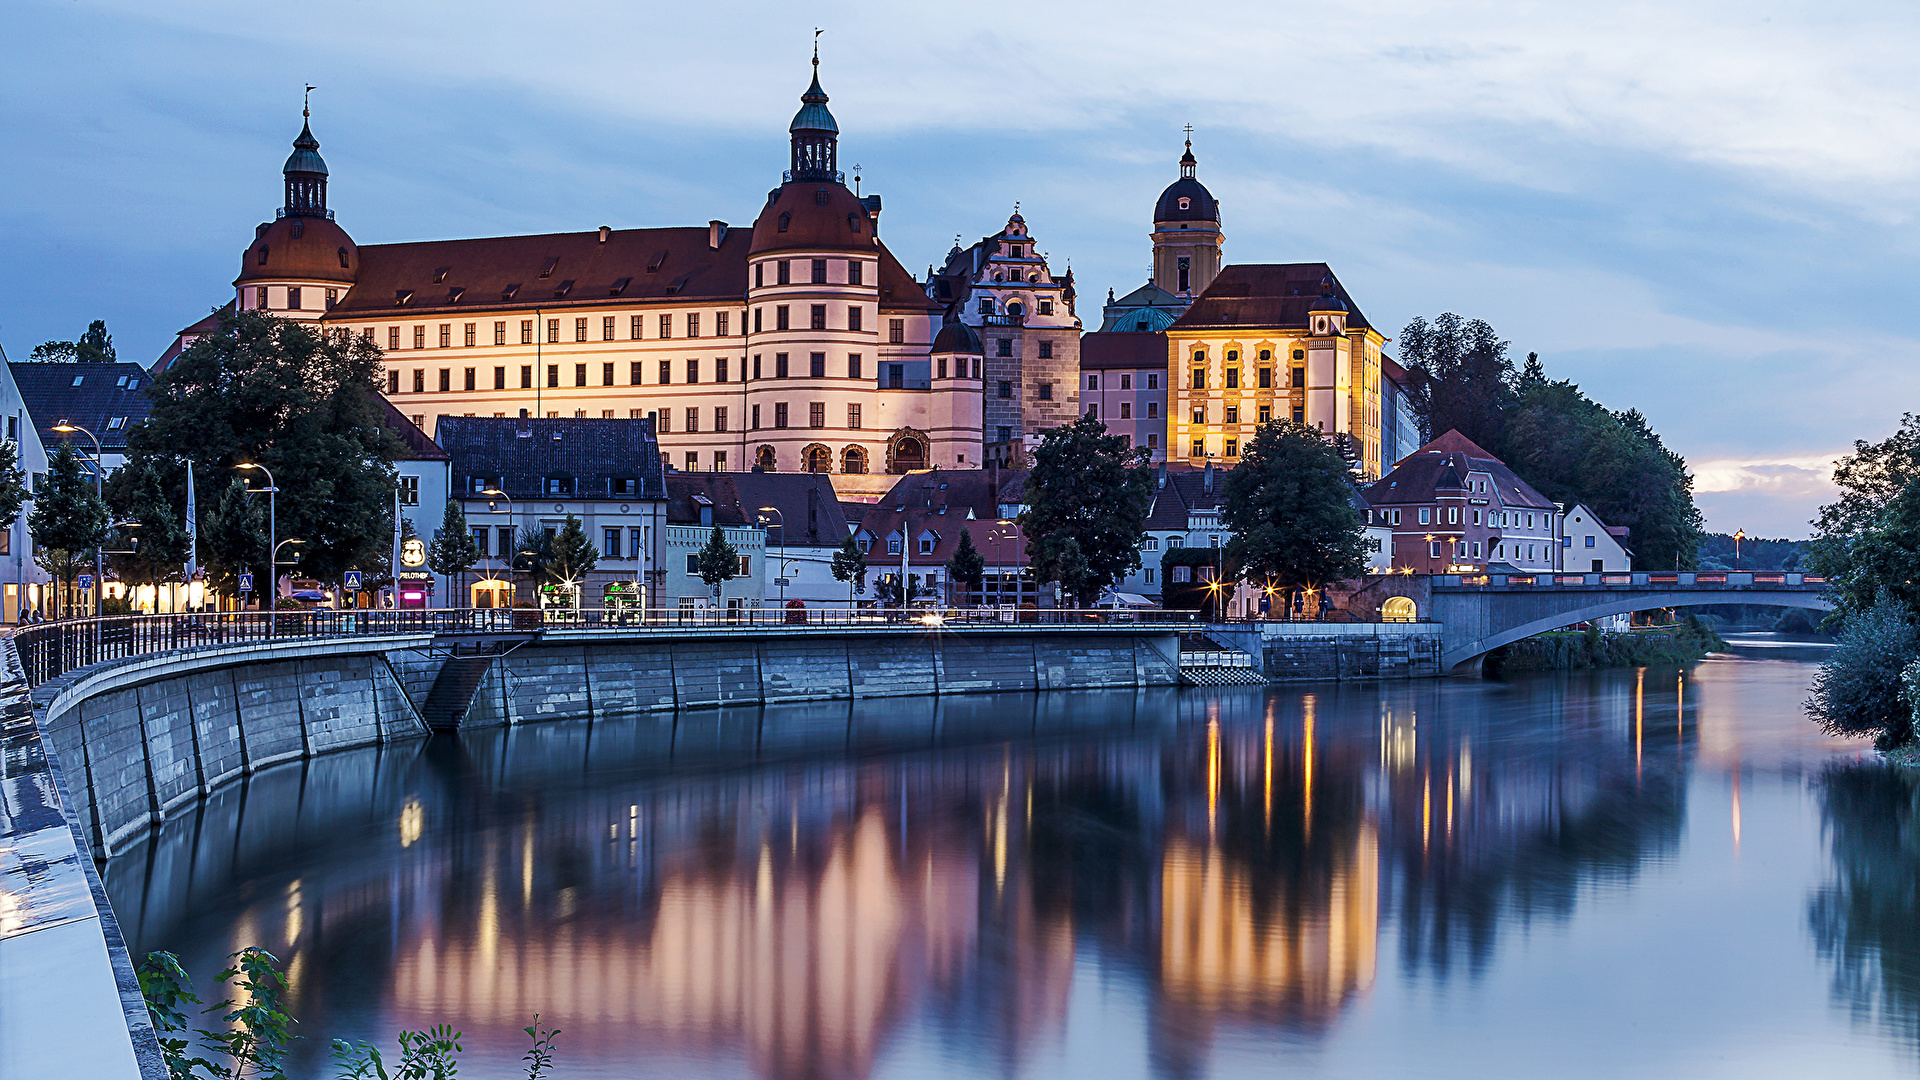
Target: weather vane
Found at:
x=856, y=179
x=816, y=45
x=306, y=100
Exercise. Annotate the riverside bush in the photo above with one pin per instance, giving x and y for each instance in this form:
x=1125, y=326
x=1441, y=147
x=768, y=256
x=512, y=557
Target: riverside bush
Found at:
x=1861, y=689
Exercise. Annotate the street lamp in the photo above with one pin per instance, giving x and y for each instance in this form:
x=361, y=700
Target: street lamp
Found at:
x=782, y=556
x=1013, y=524
x=1737, y=537
x=99, y=468
x=273, y=524
x=496, y=493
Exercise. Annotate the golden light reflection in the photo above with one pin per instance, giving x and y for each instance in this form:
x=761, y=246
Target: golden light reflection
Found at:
x=413, y=818
x=1266, y=780
x=1639, y=716
x=1306, y=768
x=1213, y=773
x=1736, y=812
x=293, y=912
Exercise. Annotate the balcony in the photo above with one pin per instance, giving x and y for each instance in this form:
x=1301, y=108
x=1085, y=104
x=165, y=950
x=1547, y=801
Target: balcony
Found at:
x=1006, y=320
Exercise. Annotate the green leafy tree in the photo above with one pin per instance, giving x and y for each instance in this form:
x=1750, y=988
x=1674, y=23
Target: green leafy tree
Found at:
x=850, y=566
x=13, y=484
x=139, y=492
x=94, y=347
x=1867, y=542
x=532, y=551
x=1461, y=379
x=69, y=519
x=233, y=540
x=276, y=392
x=571, y=555
x=718, y=561
x=1087, y=502
x=966, y=566
x=1290, y=507
x=1860, y=689
x=453, y=551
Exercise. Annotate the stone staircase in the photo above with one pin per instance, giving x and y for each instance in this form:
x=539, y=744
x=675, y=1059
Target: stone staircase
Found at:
x=452, y=693
x=1206, y=662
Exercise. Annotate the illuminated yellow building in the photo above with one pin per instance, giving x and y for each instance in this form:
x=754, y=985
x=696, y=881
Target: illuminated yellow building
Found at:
x=1270, y=342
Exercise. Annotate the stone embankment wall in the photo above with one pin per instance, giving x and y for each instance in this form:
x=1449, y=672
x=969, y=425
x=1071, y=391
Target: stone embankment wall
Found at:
x=1308, y=650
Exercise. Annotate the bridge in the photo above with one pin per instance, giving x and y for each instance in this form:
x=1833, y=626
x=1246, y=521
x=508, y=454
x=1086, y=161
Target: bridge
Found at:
x=1480, y=613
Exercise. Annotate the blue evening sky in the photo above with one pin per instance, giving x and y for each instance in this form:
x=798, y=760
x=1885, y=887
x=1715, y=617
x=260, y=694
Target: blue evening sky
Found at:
x=1701, y=210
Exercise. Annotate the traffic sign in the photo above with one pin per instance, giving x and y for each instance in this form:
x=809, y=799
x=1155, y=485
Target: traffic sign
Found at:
x=246, y=582
x=85, y=581
x=781, y=583
x=353, y=581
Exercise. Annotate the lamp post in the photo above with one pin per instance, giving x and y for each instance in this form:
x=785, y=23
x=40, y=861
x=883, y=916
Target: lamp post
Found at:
x=99, y=468
x=782, y=550
x=273, y=525
x=496, y=493
x=1738, y=536
x=1010, y=523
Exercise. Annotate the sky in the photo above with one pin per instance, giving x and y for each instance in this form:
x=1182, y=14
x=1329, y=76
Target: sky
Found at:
x=1705, y=211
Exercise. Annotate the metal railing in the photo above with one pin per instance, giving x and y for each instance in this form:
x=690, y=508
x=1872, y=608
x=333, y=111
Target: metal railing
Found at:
x=49, y=650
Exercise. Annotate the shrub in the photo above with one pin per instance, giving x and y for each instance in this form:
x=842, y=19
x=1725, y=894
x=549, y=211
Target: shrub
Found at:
x=1860, y=689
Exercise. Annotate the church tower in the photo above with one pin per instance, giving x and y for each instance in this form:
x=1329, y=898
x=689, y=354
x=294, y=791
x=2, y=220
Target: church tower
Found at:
x=301, y=263
x=1186, y=233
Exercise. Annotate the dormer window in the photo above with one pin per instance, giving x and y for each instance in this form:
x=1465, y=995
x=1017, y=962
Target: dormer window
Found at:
x=299, y=228
x=116, y=423
x=546, y=269
x=1186, y=203
x=785, y=218
x=853, y=222
x=440, y=275
x=343, y=258
x=263, y=255
x=78, y=379
x=820, y=197
x=121, y=382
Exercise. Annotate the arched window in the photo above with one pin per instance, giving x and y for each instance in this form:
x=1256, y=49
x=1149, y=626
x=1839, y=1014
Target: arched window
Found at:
x=909, y=455
x=763, y=459
x=1399, y=609
x=817, y=459
x=784, y=219
x=1016, y=309
x=853, y=460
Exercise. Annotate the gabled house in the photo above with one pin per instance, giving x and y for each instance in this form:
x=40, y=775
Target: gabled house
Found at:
x=918, y=525
x=1455, y=508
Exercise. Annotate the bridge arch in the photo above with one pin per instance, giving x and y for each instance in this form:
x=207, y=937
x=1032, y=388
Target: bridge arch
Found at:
x=1470, y=635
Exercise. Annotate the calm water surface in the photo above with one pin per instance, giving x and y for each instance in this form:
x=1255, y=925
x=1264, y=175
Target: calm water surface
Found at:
x=1654, y=873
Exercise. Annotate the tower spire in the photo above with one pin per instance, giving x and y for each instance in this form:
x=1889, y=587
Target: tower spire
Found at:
x=305, y=171
x=1187, y=160
x=814, y=133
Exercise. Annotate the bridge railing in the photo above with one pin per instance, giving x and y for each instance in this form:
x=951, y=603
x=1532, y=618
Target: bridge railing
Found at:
x=49, y=650
x=1643, y=579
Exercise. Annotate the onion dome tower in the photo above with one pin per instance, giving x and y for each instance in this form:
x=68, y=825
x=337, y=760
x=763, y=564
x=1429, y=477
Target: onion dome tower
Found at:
x=1186, y=232
x=301, y=263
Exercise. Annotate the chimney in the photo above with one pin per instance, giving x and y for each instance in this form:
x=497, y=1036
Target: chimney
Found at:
x=1206, y=481
x=716, y=234
x=605, y=231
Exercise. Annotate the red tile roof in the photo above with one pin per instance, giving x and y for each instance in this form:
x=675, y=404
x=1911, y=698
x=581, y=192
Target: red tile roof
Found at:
x=1444, y=463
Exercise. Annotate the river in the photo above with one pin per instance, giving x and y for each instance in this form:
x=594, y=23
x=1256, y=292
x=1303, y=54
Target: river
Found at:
x=1636, y=873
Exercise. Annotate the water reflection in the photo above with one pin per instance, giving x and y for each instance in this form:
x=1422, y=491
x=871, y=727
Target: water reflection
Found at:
x=1866, y=919
x=803, y=891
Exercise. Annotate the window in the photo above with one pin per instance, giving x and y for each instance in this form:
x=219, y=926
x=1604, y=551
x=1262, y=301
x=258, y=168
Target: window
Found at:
x=1299, y=378
x=693, y=371
x=1186, y=272
x=526, y=331
x=1093, y=412
x=1003, y=347
x=755, y=418
x=855, y=272
x=1589, y=541
x=1433, y=549
x=940, y=367
x=817, y=365
x=1153, y=410
x=1426, y=515
x=1153, y=442
x=1453, y=515
x=779, y=414
x=1199, y=378
x=579, y=374
x=1046, y=307
x=986, y=305
x=719, y=418
x=693, y=420
x=720, y=326
x=553, y=375
x=693, y=461
x=664, y=421
x=1233, y=378
x=666, y=372
x=467, y=379
x=393, y=387
x=819, y=271
x=1046, y=391
x=419, y=337
x=409, y=491
x=853, y=365
x=817, y=414
x=553, y=331
x=610, y=542
x=1266, y=414
x=606, y=373
x=1200, y=413
x=693, y=562
x=293, y=299
x=1153, y=380
x=759, y=275
x=470, y=336
x=1126, y=410
x=756, y=365
x=393, y=337
x=419, y=380
x=893, y=545
x=926, y=545
x=853, y=316
x=636, y=543
x=1199, y=448
x=1006, y=388
x=780, y=365
x=780, y=321
x=853, y=415
x=1233, y=414
x=1299, y=414
x=693, y=324
x=1299, y=354
x=1046, y=350
x=756, y=320
x=744, y=572
x=526, y=376
x=896, y=331
x=783, y=271
x=481, y=535
x=720, y=370
x=1233, y=448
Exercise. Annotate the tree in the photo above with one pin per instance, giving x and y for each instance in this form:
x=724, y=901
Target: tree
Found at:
x=1461, y=378
x=718, y=561
x=94, y=347
x=453, y=551
x=1859, y=689
x=138, y=492
x=69, y=519
x=850, y=566
x=1290, y=507
x=1867, y=542
x=1087, y=502
x=267, y=390
x=571, y=555
x=13, y=484
x=233, y=539
x=966, y=566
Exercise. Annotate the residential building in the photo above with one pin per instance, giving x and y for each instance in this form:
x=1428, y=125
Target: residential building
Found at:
x=1268, y=342
x=696, y=506
x=802, y=524
x=605, y=473
x=1455, y=508
x=1590, y=546
x=106, y=400
x=423, y=482
x=1123, y=385
x=25, y=586
x=1399, y=426
x=919, y=523
x=1185, y=512
x=800, y=344
x=1004, y=289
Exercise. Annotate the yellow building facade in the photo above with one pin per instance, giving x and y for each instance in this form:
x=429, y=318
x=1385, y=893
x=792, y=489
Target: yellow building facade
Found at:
x=1270, y=342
